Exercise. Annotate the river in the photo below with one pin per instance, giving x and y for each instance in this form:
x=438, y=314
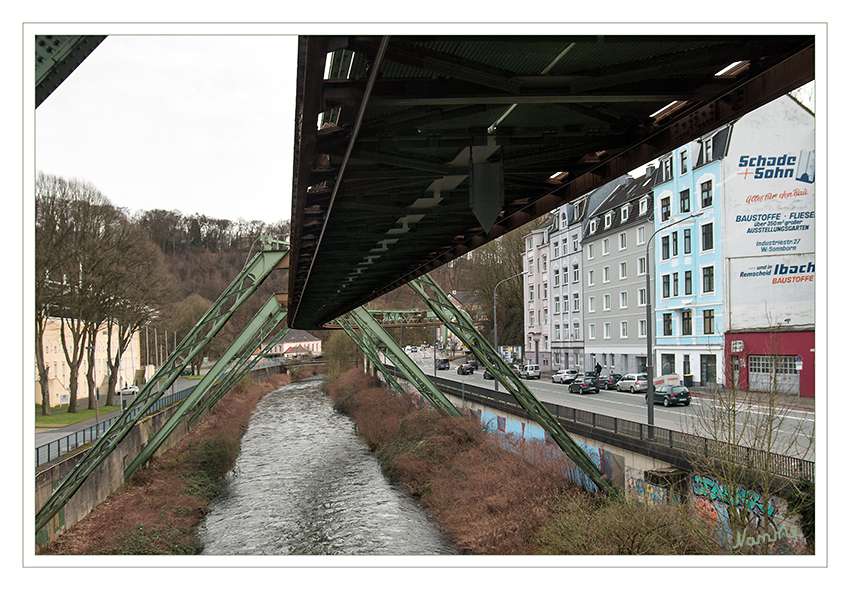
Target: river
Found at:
x=305, y=483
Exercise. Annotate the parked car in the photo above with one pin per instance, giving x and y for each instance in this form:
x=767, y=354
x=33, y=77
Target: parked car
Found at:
x=530, y=372
x=414, y=349
x=632, y=382
x=564, y=375
x=474, y=363
x=670, y=395
x=584, y=383
x=129, y=390
x=487, y=374
x=443, y=364
x=609, y=381
x=465, y=369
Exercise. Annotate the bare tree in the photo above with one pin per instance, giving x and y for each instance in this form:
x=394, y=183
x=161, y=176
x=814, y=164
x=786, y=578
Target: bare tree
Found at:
x=747, y=433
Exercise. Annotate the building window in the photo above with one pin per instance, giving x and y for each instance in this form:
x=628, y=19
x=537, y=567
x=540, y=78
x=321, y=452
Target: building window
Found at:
x=708, y=279
x=557, y=331
x=665, y=248
x=590, y=251
x=528, y=244
x=592, y=226
x=641, y=235
x=623, y=270
x=575, y=242
x=624, y=299
x=530, y=266
x=665, y=286
x=688, y=285
x=665, y=208
x=576, y=331
x=557, y=304
x=668, y=324
x=683, y=162
x=531, y=292
x=642, y=328
x=531, y=317
x=575, y=273
x=606, y=274
x=557, y=277
x=685, y=201
x=624, y=213
x=606, y=330
x=591, y=332
x=707, y=150
x=546, y=316
x=591, y=304
x=675, y=284
x=642, y=265
x=687, y=323
x=605, y=249
x=556, y=249
x=545, y=291
x=544, y=264
x=576, y=305
x=643, y=206
x=707, y=237
x=666, y=169
x=686, y=239
x=591, y=277
x=606, y=302
x=609, y=217
x=624, y=329
x=708, y=321
x=642, y=296
x=675, y=243
x=623, y=241
x=707, y=195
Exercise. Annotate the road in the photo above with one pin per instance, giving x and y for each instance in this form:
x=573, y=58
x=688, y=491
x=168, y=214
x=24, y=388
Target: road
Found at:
x=793, y=434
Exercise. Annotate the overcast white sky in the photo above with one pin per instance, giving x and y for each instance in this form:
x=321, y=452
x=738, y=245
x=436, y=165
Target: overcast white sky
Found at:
x=201, y=124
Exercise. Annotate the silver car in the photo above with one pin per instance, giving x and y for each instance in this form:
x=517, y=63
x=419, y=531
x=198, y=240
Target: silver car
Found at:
x=632, y=382
x=564, y=376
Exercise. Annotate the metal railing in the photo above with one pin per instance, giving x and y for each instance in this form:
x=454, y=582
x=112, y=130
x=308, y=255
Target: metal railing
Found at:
x=62, y=446
x=782, y=465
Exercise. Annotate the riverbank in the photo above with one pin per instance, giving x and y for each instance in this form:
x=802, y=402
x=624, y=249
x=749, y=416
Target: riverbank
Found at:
x=158, y=510
x=493, y=494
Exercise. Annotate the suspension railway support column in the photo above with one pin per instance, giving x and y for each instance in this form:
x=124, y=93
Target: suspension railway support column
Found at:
x=376, y=333
x=243, y=286
x=370, y=348
x=460, y=324
x=251, y=337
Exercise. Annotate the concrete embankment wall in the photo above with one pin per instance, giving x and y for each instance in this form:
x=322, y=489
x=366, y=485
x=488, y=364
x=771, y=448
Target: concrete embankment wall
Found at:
x=109, y=475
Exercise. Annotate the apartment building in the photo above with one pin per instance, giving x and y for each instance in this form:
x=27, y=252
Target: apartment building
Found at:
x=567, y=330
x=687, y=256
x=536, y=288
x=614, y=240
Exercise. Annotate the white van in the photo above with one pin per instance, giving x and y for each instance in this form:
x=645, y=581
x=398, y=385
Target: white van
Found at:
x=530, y=372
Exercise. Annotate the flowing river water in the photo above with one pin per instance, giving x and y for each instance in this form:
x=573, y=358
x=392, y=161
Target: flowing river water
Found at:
x=305, y=483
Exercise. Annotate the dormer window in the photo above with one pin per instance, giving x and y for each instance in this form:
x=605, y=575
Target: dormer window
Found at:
x=624, y=213
x=609, y=217
x=666, y=169
x=592, y=226
x=643, y=206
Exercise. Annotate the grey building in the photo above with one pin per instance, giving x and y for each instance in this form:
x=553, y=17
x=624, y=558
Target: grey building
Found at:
x=615, y=234
x=536, y=266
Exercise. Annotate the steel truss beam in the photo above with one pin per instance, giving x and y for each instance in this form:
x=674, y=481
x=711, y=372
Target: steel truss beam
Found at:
x=258, y=329
x=459, y=323
x=372, y=330
x=238, y=369
x=369, y=347
x=243, y=286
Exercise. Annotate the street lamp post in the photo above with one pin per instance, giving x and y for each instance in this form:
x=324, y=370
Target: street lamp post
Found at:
x=495, y=322
x=650, y=388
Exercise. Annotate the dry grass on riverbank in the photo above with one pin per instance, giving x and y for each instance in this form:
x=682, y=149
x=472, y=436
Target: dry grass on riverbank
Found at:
x=493, y=494
x=157, y=511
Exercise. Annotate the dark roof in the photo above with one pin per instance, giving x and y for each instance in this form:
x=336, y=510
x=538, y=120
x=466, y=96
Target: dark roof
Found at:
x=298, y=336
x=631, y=192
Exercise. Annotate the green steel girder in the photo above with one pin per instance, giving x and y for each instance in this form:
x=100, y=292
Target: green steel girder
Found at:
x=410, y=317
x=242, y=287
x=369, y=348
x=368, y=325
x=234, y=373
x=460, y=324
x=255, y=332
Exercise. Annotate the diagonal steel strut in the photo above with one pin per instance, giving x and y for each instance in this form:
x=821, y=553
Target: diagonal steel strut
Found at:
x=369, y=348
x=460, y=324
x=368, y=325
x=242, y=287
x=264, y=321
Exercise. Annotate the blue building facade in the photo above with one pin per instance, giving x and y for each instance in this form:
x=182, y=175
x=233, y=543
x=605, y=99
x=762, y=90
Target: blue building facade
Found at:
x=688, y=260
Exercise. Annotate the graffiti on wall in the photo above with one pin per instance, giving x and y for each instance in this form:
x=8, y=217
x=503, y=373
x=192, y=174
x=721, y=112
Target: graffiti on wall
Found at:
x=644, y=492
